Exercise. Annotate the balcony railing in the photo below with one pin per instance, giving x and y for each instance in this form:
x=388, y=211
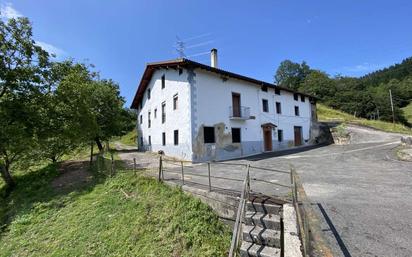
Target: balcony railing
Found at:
x=239, y=113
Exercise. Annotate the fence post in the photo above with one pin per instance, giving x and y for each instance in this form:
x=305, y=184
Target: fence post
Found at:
x=183, y=175
x=134, y=165
x=112, y=165
x=208, y=171
x=160, y=166
x=91, y=153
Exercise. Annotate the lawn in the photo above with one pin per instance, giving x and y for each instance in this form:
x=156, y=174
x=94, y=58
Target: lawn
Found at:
x=123, y=215
x=328, y=114
x=408, y=112
x=129, y=139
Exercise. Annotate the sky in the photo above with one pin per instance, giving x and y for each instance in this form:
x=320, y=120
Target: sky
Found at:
x=348, y=37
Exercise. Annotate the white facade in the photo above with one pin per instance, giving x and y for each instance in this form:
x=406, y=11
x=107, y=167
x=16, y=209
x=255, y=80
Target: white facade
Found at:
x=205, y=100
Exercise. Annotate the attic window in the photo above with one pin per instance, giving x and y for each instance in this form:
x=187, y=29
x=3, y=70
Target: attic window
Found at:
x=296, y=96
x=163, y=81
x=277, y=91
x=148, y=93
x=264, y=88
x=302, y=98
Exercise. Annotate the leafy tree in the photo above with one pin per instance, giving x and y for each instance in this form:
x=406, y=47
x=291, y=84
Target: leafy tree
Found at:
x=319, y=84
x=290, y=74
x=23, y=66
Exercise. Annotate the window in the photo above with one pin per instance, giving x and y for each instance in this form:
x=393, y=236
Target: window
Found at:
x=140, y=105
x=296, y=96
x=141, y=119
x=163, y=81
x=209, y=134
x=163, y=138
x=296, y=110
x=277, y=91
x=155, y=113
x=265, y=105
x=150, y=140
x=302, y=98
x=148, y=93
x=278, y=108
x=235, y=135
x=280, y=135
x=176, y=137
x=141, y=141
x=149, y=122
x=175, y=98
x=163, y=112
x=264, y=88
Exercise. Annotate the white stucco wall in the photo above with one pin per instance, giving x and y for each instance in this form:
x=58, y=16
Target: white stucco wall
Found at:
x=212, y=104
x=178, y=119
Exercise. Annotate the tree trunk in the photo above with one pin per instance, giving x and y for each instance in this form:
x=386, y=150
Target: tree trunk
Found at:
x=5, y=174
x=99, y=144
x=54, y=159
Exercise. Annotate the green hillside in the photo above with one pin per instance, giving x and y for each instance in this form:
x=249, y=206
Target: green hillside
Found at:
x=124, y=215
x=326, y=113
x=408, y=112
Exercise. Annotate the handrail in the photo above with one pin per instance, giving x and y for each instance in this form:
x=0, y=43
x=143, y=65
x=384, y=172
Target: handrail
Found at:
x=240, y=212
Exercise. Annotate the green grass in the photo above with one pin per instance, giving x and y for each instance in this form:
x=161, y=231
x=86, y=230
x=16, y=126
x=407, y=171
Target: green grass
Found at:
x=408, y=112
x=97, y=219
x=129, y=139
x=328, y=114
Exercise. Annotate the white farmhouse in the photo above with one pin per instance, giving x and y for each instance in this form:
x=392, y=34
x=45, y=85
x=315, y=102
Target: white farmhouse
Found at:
x=197, y=112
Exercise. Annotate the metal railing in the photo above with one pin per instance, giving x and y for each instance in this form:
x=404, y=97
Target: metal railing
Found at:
x=240, y=213
x=240, y=112
x=303, y=209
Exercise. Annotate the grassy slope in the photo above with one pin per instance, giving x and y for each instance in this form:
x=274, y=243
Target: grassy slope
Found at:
x=408, y=112
x=129, y=139
x=328, y=114
x=99, y=220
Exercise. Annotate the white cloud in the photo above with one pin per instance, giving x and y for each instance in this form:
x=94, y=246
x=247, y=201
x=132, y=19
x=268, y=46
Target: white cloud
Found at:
x=8, y=12
x=52, y=49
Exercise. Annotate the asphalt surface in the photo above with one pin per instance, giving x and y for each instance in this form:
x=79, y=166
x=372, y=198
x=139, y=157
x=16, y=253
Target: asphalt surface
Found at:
x=362, y=195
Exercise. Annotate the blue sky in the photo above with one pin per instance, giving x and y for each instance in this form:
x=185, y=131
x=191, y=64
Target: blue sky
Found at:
x=340, y=37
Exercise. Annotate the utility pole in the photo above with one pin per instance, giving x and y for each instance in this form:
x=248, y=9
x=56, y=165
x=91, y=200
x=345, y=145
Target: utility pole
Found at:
x=393, y=113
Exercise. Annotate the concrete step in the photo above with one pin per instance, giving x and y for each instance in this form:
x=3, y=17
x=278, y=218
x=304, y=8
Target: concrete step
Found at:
x=269, y=221
x=261, y=236
x=263, y=207
x=253, y=250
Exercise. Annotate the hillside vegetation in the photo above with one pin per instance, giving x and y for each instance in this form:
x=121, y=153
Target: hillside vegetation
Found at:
x=124, y=215
x=329, y=114
x=407, y=110
x=367, y=97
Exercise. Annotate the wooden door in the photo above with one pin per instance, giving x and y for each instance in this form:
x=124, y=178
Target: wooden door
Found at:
x=236, y=104
x=298, y=135
x=267, y=138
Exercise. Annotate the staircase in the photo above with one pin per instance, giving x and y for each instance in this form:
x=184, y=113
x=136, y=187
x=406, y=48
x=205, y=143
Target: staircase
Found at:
x=261, y=231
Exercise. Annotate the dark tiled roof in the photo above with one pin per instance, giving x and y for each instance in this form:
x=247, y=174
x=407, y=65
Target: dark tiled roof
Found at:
x=180, y=63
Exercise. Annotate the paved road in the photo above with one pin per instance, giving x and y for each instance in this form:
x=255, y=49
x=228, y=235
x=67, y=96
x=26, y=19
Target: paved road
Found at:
x=362, y=196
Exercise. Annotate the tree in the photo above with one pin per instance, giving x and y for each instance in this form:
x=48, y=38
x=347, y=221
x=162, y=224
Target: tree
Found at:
x=23, y=66
x=319, y=84
x=290, y=74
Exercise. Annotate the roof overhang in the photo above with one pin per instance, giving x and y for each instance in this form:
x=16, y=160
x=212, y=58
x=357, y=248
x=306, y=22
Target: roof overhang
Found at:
x=180, y=63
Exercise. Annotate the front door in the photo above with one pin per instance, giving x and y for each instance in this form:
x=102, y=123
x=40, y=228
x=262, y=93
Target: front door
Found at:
x=236, y=104
x=267, y=138
x=298, y=135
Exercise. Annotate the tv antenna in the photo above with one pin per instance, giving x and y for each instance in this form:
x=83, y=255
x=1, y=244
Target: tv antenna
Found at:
x=180, y=47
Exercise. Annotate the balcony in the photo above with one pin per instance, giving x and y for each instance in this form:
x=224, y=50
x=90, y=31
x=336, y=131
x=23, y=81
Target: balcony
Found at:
x=239, y=113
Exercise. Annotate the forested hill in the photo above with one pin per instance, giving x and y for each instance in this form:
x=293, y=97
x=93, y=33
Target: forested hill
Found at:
x=366, y=97
x=398, y=71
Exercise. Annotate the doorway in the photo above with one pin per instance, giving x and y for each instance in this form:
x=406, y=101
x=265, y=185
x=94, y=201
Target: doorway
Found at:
x=267, y=138
x=298, y=135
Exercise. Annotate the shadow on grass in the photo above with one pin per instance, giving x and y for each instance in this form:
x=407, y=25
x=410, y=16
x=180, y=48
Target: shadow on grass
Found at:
x=38, y=187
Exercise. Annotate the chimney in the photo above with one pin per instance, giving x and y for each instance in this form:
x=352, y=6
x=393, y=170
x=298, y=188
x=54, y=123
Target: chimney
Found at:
x=213, y=58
